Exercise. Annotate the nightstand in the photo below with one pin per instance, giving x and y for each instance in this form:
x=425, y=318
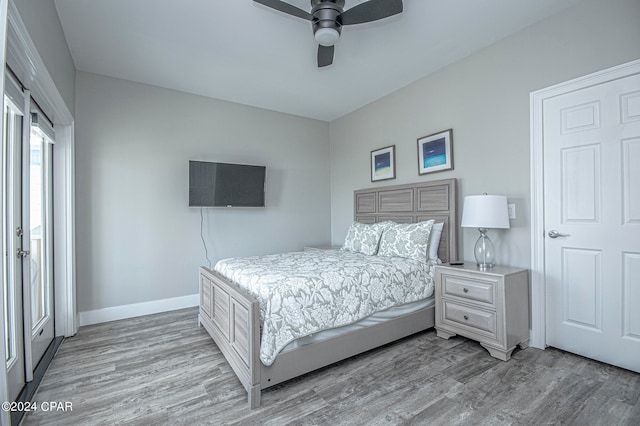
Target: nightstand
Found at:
x=490, y=306
x=317, y=248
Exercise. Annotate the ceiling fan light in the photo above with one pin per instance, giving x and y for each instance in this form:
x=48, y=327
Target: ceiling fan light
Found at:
x=327, y=36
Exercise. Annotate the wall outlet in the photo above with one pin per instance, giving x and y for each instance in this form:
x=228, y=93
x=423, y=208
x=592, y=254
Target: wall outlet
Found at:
x=512, y=211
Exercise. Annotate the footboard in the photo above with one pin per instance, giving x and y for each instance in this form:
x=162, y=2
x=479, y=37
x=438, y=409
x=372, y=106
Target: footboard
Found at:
x=232, y=318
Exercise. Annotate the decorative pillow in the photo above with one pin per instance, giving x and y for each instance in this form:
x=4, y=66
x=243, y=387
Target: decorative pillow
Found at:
x=362, y=238
x=434, y=239
x=383, y=225
x=406, y=240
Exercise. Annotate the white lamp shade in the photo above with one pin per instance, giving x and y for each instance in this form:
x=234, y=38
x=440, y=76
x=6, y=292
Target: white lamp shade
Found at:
x=485, y=211
x=327, y=36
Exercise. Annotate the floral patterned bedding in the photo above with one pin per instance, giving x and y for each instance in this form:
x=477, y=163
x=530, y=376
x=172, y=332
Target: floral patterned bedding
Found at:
x=302, y=293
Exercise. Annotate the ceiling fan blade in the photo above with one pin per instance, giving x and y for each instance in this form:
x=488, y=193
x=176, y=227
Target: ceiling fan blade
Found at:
x=285, y=8
x=325, y=55
x=371, y=11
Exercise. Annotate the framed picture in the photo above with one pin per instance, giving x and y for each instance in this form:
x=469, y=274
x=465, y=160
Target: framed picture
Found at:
x=383, y=163
x=435, y=152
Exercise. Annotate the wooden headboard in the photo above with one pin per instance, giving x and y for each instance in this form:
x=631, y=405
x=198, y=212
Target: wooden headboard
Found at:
x=412, y=203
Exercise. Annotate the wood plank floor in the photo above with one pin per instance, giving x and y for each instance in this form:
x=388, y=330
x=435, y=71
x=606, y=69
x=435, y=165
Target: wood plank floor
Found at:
x=163, y=369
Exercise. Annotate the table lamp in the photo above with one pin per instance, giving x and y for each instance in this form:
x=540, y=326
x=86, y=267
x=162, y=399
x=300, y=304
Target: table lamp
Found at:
x=485, y=212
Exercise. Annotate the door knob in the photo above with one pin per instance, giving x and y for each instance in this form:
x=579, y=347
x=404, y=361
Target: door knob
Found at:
x=555, y=234
x=23, y=253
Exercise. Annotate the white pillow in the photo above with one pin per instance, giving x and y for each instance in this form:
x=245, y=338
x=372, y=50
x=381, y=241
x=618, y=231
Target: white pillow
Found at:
x=408, y=240
x=362, y=238
x=434, y=240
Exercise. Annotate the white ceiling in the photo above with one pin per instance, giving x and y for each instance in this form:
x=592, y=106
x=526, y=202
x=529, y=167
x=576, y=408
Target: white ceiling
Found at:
x=243, y=52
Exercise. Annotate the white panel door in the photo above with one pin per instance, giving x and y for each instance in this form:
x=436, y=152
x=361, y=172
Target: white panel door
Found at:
x=592, y=221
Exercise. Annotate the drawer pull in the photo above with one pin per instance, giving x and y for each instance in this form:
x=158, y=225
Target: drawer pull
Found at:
x=466, y=290
x=466, y=317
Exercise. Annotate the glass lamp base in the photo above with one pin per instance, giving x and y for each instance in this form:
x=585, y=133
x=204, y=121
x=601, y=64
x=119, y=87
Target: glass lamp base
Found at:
x=484, y=251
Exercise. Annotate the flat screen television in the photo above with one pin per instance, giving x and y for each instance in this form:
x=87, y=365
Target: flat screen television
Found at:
x=226, y=185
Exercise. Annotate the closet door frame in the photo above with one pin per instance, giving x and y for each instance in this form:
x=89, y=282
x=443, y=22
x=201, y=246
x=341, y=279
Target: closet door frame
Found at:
x=538, y=337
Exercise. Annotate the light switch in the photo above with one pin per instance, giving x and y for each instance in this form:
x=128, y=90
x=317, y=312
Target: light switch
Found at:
x=512, y=211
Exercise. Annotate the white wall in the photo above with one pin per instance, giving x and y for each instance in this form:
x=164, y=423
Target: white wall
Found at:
x=485, y=99
x=137, y=239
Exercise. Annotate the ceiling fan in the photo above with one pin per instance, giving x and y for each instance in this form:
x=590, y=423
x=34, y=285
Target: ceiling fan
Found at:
x=327, y=18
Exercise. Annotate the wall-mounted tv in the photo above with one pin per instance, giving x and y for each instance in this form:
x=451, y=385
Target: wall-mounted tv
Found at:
x=226, y=185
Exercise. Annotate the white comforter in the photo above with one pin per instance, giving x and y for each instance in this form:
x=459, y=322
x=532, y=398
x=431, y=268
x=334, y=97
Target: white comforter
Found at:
x=305, y=292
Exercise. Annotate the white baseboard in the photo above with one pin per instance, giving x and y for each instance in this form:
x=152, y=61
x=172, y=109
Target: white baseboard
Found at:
x=137, y=309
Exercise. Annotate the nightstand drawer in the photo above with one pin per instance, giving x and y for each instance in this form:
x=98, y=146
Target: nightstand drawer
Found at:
x=470, y=317
x=468, y=288
x=490, y=306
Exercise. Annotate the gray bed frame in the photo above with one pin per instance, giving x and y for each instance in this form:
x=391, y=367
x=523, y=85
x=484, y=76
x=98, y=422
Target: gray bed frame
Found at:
x=232, y=317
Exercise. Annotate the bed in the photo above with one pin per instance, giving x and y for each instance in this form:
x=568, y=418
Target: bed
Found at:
x=231, y=314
